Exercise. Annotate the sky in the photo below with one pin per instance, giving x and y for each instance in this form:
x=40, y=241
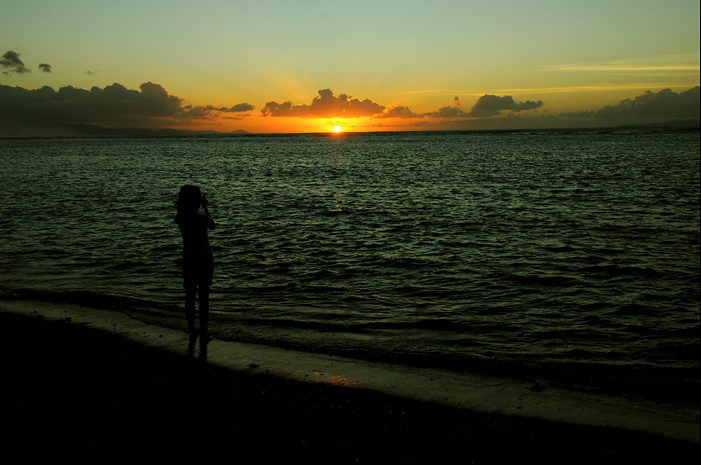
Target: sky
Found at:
x=276, y=66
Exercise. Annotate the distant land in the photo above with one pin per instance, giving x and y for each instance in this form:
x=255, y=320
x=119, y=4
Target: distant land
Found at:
x=688, y=123
x=93, y=130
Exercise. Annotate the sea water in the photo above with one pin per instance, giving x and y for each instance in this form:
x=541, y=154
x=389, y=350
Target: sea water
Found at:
x=439, y=249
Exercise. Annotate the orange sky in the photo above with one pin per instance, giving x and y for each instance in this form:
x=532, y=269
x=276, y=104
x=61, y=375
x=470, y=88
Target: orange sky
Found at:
x=279, y=66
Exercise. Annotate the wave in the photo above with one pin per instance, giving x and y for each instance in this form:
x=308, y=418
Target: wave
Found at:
x=622, y=270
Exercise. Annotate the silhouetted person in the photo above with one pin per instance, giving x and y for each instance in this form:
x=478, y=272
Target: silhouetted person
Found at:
x=198, y=261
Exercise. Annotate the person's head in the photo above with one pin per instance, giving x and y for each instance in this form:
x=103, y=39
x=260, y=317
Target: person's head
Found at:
x=189, y=199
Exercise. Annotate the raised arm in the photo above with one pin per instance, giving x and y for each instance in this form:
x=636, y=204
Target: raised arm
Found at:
x=212, y=224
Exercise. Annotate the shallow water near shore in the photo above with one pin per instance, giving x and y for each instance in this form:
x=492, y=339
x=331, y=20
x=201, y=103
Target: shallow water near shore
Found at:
x=438, y=249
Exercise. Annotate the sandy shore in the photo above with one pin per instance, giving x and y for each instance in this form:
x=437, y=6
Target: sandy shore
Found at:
x=72, y=391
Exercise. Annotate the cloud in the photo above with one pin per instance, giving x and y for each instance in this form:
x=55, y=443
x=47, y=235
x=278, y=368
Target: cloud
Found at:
x=579, y=114
x=44, y=67
x=485, y=106
x=626, y=68
x=400, y=111
x=664, y=103
x=328, y=105
x=325, y=105
x=241, y=107
x=448, y=112
x=210, y=112
x=11, y=60
x=492, y=105
x=114, y=106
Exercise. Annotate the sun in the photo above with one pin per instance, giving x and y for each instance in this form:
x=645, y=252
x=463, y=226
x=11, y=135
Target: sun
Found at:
x=336, y=129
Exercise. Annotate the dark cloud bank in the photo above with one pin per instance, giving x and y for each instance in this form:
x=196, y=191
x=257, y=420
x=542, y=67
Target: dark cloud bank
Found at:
x=646, y=108
x=664, y=103
x=23, y=110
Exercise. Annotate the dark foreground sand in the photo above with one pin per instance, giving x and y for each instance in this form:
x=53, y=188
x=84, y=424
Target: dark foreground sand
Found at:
x=70, y=392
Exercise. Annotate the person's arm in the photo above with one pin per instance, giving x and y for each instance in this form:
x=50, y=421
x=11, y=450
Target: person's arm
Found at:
x=212, y=224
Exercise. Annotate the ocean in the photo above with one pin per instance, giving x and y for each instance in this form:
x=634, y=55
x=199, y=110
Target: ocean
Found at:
x=460, y=250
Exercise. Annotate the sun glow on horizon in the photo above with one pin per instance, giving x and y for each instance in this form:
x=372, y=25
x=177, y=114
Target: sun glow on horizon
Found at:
x=336, y=129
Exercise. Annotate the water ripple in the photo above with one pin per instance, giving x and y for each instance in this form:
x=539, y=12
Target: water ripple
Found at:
x=562, y=246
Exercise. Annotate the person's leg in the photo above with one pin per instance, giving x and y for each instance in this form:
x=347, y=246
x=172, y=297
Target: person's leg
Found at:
x=190, y=298
x=203, y=292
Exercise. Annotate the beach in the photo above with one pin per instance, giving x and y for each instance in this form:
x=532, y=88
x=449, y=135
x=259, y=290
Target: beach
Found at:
x=78, y=392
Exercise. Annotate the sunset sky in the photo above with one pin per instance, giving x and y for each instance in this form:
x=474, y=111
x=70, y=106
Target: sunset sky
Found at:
x=305, y=66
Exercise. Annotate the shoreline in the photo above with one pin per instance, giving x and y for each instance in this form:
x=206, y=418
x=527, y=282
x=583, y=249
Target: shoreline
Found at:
x=640, y=420
x=657, y=382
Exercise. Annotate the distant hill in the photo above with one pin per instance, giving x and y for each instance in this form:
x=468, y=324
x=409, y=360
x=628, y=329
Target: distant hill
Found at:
x=93, y=130
x=686, y=123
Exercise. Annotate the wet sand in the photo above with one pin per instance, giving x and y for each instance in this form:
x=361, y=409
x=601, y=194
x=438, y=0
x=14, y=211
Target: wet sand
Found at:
x=72, y=391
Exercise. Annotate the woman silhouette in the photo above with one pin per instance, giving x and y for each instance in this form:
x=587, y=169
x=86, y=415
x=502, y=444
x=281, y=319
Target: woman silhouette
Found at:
x=198, y=261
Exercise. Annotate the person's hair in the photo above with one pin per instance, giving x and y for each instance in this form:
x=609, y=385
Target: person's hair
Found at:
x=189, y=199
